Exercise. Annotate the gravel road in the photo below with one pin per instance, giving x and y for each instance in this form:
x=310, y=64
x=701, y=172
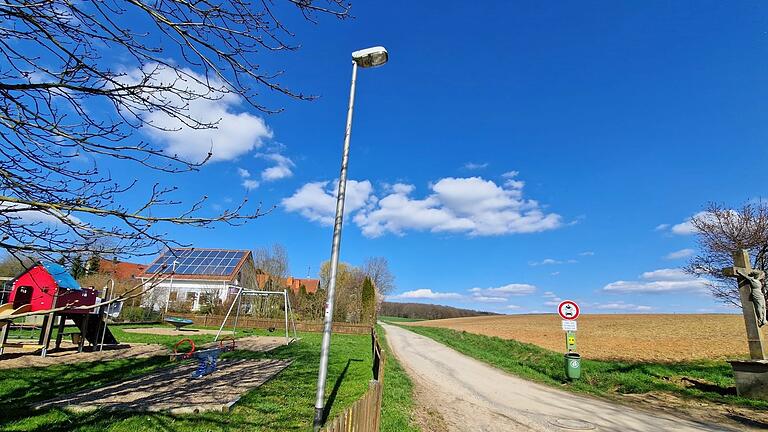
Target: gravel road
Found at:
x=472, y=396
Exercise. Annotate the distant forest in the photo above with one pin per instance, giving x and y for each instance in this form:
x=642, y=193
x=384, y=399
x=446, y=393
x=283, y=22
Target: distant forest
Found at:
x=426, y=311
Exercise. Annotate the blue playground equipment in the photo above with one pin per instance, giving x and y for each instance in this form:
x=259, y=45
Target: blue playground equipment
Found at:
x=178, y=322
x=207, y=359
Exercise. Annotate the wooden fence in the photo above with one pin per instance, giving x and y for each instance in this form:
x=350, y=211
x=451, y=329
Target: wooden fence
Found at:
x=365, y=414
x=266, y=323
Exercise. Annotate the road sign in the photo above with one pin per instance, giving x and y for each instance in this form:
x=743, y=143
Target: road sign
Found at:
x=569, y=325
x=568, y=310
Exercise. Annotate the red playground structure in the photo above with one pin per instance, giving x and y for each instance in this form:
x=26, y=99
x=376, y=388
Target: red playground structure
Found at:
x=46, y=287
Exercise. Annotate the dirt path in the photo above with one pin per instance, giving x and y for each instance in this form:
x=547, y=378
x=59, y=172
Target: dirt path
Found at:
x=470, y=395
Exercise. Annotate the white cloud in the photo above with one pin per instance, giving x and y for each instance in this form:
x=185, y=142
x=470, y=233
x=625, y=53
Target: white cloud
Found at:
x=512, y=307
x=487, y=299
x=587, y=253
x=475, y=166
x=554, y=273
x=685, y=227
x=510, y=174
x=250, y=184
x=659, y=282
x=235, y=133
x=317, y=201
x=282, y=168
x=682, y=253
x=551, y=261
x=620, y=305
x=553, y=299
x=504, y=291
x=18, y=212
x=666, y=274
x=471, y=205
x=426, y=293
x=545, y=261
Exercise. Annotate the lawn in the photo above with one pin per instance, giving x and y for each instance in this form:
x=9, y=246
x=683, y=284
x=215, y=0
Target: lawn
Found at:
x=711, y=381
x=284, y=403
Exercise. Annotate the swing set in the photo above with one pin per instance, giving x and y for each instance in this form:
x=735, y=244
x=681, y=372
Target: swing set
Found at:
x=237, y=304
x=207, y=358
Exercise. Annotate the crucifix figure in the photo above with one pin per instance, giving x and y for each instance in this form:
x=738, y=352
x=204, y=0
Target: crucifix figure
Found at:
x=752, y=301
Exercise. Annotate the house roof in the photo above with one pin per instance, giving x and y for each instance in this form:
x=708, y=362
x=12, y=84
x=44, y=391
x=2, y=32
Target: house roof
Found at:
x=294, y=284
x=121, y=270
x=199, y=263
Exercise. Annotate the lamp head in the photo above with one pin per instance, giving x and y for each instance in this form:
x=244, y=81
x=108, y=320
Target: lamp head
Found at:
x=370, y=57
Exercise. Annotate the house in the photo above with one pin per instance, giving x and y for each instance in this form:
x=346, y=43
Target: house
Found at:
x=188, y=274
x=121, y=270
x=310, y=285
x=292, y=283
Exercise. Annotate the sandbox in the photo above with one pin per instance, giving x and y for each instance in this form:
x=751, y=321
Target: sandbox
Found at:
x=168, y=331
x=172, y=390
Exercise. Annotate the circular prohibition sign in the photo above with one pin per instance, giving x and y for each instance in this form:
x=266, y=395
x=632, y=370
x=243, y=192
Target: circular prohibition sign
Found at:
x=568, y=310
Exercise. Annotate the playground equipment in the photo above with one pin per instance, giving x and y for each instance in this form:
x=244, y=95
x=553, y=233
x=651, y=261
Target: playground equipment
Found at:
x=45, y=287
x=178, y=322
x=207, y=358
x=237, y=303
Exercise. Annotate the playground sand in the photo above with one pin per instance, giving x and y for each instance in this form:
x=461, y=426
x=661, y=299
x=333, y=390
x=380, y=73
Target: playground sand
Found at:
x=14, y=358
x=168, y=331
x=173, y=390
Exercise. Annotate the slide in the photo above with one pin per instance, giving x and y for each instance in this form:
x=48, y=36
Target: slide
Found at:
x=94, y=326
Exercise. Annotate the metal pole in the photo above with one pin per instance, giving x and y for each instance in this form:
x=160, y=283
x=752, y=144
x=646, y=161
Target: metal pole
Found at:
x=229, y=311
x=328, y=320
x=285, y=309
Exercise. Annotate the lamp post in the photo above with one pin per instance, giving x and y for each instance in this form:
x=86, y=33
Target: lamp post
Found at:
x=369, y=57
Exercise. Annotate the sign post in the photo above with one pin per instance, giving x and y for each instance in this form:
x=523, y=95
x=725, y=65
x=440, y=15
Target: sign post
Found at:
x=569, y=311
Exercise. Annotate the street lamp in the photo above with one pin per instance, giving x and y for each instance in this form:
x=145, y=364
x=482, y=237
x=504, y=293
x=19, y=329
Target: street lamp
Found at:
x=365, y=58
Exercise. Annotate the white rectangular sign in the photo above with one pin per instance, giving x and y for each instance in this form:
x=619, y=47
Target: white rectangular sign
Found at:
x=569, y=325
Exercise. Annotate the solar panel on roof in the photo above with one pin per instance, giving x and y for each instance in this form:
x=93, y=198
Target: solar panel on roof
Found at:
x=197, y=262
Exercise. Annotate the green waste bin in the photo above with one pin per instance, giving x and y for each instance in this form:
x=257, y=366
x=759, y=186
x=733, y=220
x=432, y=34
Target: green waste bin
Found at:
x=572, y=365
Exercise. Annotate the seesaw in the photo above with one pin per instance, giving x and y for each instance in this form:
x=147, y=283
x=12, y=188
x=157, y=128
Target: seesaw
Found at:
x=207, y=358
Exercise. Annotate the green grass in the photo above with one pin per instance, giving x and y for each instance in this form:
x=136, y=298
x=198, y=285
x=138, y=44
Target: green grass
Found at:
x=397, y=404
x=285, y=403
x=390, y=319
x=711, y=381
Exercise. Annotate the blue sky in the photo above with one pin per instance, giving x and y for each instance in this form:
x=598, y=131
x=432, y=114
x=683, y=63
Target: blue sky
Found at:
x=510, y=154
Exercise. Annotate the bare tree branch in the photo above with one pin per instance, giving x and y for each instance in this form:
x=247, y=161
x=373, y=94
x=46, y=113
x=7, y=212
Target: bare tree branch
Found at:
x=78, y=80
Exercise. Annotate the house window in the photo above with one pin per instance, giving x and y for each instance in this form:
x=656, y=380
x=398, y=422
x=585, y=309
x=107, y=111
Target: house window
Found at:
x=190, y=296
x=173, y=295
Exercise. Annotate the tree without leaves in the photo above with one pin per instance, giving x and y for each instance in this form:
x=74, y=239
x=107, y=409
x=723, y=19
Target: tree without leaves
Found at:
x=65, y=99
x=274, y=263
x=720, y=231
x=377, y=268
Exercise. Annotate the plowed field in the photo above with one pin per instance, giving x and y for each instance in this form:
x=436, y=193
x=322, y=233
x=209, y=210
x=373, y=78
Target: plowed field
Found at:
x=664, y=338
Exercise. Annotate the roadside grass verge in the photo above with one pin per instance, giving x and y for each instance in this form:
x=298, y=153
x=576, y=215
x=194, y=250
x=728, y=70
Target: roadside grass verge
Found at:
x=286, y=403
x=397, y=404
x=391, y=319
x=711, y=381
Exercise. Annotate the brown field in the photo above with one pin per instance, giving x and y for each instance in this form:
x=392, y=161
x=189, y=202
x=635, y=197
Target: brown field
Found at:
x=664, y=338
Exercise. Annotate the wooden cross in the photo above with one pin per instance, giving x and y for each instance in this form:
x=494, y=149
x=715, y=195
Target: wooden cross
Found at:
x=755, y=340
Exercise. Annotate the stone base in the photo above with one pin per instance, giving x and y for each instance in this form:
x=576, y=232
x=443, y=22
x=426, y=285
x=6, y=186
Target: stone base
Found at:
x=751, y=378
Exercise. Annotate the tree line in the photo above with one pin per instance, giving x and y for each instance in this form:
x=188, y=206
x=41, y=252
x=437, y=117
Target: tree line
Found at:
x=427, y=311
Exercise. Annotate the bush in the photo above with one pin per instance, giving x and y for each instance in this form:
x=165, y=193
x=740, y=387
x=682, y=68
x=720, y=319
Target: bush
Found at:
x=138, y=314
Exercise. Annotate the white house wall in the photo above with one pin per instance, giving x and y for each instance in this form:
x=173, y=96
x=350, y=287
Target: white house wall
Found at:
x=182, y=287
